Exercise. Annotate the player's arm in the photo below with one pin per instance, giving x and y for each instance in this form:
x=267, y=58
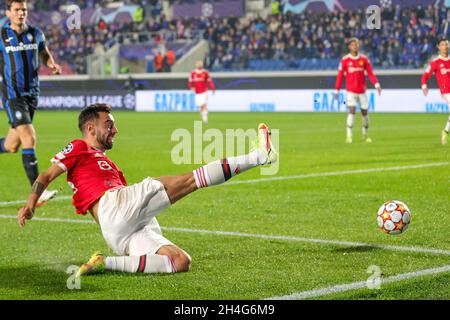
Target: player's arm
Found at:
x=41, y=183
x=425, y=77
x=372, y=77
x=191, y=82
x=339, y=79
x=211, y=84
x=47, y=59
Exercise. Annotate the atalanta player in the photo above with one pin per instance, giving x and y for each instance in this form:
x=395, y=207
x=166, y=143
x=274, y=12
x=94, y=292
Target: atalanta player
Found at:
x=22, y=48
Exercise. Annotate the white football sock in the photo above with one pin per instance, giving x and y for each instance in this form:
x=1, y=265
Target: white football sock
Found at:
x=219, y=171
x=150, y=263
x=350, y=120
x=204, y=116
x=447, y=127
x=365, y=123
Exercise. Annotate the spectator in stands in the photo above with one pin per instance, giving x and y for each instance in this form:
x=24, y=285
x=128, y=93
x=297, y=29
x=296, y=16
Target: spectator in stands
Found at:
x=169, y=60
x=158, y=63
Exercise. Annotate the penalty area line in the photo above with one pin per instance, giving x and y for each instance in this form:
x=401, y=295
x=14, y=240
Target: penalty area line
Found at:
x=315, y=293
x=268, y=237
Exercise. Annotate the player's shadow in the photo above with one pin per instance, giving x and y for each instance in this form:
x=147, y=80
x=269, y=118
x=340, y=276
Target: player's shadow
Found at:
x=37, y=282
x=357, y=249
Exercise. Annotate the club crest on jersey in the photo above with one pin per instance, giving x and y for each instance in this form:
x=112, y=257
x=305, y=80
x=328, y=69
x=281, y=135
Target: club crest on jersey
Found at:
x=104, y=165
x=18, y=115
x=361, y=63
x=30, y=37
x=67, y=149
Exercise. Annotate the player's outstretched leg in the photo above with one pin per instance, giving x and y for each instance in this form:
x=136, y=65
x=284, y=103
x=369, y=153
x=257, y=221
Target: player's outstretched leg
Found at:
x=444, y=135
x=350, y=121
x=220, y=171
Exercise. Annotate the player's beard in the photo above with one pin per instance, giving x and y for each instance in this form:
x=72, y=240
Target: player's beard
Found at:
x=106, y=142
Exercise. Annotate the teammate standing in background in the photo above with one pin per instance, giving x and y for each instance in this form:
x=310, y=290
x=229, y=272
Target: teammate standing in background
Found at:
x=21, y=47
x=440, y=66
x=353, y=67
x=199, y=81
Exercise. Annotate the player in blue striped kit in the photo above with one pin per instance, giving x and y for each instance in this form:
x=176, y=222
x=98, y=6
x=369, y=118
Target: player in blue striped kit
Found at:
x=22, y=49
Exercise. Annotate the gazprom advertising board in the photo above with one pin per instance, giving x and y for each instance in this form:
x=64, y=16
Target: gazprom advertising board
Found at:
x=392, y=100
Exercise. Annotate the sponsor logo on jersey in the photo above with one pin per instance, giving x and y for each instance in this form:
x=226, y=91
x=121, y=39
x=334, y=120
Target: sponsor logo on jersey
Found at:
x=22, y=47
x=104, y=165
x=352, y=69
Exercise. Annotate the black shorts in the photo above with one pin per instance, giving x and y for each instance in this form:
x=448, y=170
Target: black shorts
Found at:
x=20, y=110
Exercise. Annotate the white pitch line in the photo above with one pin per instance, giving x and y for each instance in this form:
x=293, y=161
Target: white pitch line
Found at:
x=338, y=173
x=301, y=176
x=359, y=285
x=12, y=203
x=268, y=237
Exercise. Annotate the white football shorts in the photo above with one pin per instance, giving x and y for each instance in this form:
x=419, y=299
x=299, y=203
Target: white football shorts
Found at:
x=200, y=99
x=353, y=99
x=127, y=218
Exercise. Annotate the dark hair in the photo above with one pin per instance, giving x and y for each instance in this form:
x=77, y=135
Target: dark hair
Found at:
x=91, y=113
x=10, y=2
x=440, y=40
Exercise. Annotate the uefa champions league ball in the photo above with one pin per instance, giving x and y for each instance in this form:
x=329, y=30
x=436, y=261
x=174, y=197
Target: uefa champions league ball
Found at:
x=394, y=217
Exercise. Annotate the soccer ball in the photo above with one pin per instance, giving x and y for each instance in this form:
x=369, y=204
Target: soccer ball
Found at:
x=394, y=217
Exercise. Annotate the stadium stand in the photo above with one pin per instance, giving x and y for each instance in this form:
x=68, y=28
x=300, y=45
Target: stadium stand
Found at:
x=310, y=40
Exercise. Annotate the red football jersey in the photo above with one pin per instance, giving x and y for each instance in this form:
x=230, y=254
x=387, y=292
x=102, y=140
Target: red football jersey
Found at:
x=89, y=173
x=353, y=68
x=200, y=80
x=440, y=66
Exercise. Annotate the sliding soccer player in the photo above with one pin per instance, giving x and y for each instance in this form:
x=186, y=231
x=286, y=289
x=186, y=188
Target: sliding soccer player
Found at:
x=126, y=214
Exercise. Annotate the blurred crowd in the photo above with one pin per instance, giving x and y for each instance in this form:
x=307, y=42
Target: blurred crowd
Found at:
x=407, y=37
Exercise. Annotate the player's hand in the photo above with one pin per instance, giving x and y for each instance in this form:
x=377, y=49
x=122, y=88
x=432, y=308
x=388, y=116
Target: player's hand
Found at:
x=336, y=96
x=214, y=93
x=425, y=91
x=24, y=213
x=56, y=68
x=379, y=90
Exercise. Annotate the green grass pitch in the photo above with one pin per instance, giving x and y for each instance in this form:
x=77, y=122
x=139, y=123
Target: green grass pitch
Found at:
x=339, y=207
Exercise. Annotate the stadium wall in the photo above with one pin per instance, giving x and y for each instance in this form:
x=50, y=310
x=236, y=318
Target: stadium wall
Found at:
x=246, y=92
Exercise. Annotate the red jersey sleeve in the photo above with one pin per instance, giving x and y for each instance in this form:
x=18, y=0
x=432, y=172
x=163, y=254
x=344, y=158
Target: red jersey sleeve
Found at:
x=428, y=73
x=210, y=82
x=340, y=76
x=370, y=73
x=68, y=157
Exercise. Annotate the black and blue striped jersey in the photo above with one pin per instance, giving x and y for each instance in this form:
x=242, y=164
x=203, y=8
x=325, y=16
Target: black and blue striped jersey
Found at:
x=19, y=61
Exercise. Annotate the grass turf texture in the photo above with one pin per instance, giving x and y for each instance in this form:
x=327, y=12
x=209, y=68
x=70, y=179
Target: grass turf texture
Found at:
x=343, y=207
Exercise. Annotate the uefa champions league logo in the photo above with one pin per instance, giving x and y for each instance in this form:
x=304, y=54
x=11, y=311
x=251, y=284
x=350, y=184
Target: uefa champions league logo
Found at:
x=129, y=101
x=207, y=9
x=385, y=3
